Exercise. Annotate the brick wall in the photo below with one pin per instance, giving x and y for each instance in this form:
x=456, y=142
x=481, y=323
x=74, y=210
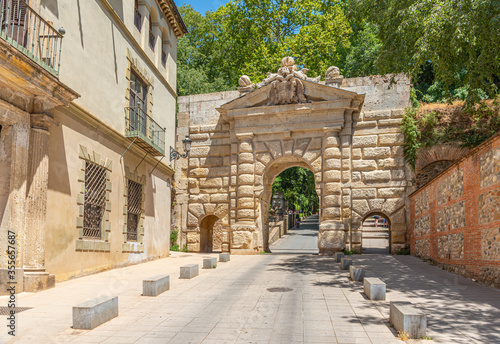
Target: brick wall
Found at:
x=455, y=218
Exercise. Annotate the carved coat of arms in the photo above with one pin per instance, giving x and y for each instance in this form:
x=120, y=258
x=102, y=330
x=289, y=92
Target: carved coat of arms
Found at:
x=286, y=85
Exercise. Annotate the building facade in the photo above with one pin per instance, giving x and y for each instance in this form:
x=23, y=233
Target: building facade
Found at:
x=85, y=185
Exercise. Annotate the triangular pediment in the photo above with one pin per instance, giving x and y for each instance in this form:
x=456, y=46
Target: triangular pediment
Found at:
x=313, y=92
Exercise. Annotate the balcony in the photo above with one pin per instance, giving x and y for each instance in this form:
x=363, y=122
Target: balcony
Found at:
x=144, y=131
x=30, y=34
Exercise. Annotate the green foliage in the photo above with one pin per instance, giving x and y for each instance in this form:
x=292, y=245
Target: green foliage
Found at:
x=365, y=47
x=298, y=187
x=185, y=248
x=252, y=36
x=412, y=135
x=174, y=234
x=459, y=38
x=350, y=252
x=403, y=252
x=465, y=126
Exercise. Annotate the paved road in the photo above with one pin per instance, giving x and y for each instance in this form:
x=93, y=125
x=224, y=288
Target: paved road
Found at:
x=235, y=303
x=302, y=240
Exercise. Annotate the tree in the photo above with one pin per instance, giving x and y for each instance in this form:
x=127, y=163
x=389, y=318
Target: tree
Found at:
x=298, y=187
x=460, y=38
x=197, y=52
x=259, y=33
x=252, y=36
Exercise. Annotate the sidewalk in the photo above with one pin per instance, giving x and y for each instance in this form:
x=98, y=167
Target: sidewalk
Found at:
x=232, y=304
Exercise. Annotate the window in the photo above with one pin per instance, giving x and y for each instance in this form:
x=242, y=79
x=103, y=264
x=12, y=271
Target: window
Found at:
x=151, y=36
x=137, y=16
x=13, y=17
x=134, y=209
x=138, y=104
x=94, y=200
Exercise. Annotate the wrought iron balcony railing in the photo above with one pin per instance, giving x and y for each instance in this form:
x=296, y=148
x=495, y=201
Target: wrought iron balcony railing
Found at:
x=29, y=33
x=146, y=133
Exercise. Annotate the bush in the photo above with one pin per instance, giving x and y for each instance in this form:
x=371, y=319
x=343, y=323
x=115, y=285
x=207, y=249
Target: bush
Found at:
x=174, y=247
x=350, y=252
x=403, y=252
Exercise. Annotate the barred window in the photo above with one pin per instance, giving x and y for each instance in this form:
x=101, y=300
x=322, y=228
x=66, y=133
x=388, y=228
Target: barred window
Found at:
x=134, y=209
x=94, y=201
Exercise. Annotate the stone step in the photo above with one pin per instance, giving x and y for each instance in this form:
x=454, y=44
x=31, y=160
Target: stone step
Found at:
x=156, y=285
x=408, y=318
x=357, y=273
x=90, y=314
x=374, y=288
x=189, y=271
x=209, y=263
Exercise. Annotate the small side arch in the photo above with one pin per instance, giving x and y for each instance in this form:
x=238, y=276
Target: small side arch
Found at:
x=376, y=233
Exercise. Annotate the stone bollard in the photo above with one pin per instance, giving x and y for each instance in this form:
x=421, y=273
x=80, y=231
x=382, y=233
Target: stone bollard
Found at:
x=189, y=271
x=339, y=256
x=90, y=314
x=374, y=289
x=357, y=273
x=154, y=286
x=209, y=263
x=407, y=318
x=224, y=257
x=345, y=263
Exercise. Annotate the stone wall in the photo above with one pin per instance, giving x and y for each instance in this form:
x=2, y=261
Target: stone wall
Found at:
x=455, y=218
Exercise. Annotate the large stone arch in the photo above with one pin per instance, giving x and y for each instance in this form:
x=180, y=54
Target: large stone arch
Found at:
x=271, y=171
x=348, y=136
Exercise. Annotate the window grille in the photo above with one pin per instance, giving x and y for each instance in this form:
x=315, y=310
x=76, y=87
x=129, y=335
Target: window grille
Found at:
x=94, y=201
x=134, y=205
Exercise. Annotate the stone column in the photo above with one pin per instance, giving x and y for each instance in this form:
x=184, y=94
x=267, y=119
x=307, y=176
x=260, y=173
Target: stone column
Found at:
x=18, y=139
x=242, y=235
x=35, y=276
x=346, y=150
x=144, y=11
x=158, y=43
x=331, y=229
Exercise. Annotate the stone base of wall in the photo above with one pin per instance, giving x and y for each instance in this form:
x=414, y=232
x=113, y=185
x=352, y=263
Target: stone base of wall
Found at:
x=489, y=275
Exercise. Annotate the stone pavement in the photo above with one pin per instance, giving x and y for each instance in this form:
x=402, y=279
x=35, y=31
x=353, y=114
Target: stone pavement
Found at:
x=300, y=240
x=232, y=303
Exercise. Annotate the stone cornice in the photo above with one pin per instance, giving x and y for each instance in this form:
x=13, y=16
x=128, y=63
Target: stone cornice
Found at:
x=173, y=17
x=13, y=66
x=85, y=117
x=137, y=47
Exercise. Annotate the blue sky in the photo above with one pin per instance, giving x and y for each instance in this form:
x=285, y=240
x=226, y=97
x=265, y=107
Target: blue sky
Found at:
x=202, y=5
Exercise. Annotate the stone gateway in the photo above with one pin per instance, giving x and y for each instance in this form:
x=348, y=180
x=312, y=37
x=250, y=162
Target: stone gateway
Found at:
x=346, y=131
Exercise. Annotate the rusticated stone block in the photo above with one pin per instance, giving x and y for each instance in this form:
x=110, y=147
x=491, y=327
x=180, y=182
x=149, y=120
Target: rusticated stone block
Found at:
x=357, y=273
x=345, y=263
x=189, y=271
x=90, y=314
x=377, y=152
x=407, y=318
x=374, y=288
x=154, y=286
x=209, y=263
